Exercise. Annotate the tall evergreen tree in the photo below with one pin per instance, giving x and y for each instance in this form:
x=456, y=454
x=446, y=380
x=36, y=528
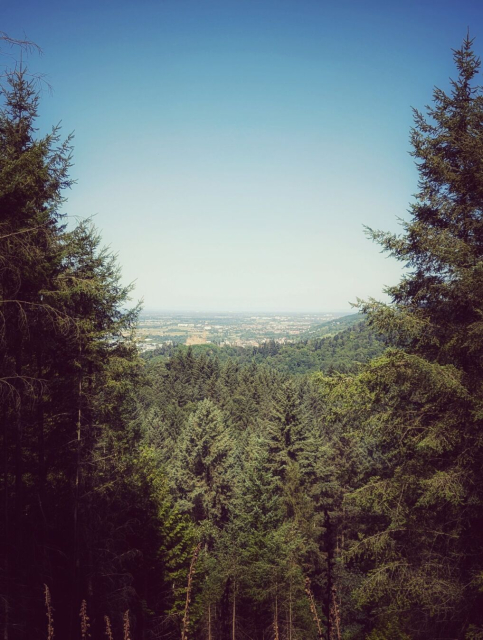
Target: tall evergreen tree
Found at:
x=201, y=473
x=83, y=511
x=427, y=499
x=33, y=173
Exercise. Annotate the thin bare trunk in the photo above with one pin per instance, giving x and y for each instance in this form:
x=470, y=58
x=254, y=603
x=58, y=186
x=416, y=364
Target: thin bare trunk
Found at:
x=76, y=568
x=233, y=620
x=313, y=608
x=15, y=542
x=331, y=551
x=6, y=524
x=290, y=612
x=126, y=626
x=41, y=461
x=40, y=432
x=275, y=619
x=18, y=441
x=78, y=471
x=335, y=617
x=108, y=631
x=186, y=617
x=50, y=618
x=85, y=625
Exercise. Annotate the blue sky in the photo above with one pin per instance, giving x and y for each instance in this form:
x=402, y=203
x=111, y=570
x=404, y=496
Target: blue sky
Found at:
x=231, y=151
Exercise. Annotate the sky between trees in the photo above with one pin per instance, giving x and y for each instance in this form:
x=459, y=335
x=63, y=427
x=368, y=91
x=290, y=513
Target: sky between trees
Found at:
x=232, y=151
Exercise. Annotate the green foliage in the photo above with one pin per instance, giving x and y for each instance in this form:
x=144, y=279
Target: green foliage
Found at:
x=345, y=352
x=85, y=508
x=361, y=477
x=422, y=502
x=201, y=472
x=388, y=630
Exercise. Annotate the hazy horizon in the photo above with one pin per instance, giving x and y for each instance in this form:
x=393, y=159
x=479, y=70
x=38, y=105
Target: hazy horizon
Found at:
x=247, y=312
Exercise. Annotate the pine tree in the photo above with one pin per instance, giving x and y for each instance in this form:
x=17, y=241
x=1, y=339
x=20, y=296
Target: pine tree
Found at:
x=33, y=173
x=201, y=473
x=426, y=501
x=437, y=305
x=68, y=374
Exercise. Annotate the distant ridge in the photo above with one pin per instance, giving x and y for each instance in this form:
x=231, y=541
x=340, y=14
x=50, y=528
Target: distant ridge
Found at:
x=332, y=327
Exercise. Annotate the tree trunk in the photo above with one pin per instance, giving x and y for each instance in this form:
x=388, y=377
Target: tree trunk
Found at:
x=233, y=620
x=75, y=594
x=6, y=525
x=330, y=548
x=18, y=440
x=41, y=473
x=275, y=619
x=290, y=611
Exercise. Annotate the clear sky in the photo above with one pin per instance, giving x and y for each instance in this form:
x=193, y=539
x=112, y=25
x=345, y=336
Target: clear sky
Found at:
x=231, y=151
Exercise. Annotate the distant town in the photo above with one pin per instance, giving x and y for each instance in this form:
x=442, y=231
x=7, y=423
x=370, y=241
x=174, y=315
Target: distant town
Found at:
x=225, y=329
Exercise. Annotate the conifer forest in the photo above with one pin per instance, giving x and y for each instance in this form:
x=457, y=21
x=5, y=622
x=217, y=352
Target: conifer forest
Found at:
x=330, y=489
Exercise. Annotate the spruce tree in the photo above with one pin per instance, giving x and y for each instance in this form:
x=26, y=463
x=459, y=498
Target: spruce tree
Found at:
x=436, y=311
x=33, y=173
x=201, y=473
x=425, y=498
x=81, y=509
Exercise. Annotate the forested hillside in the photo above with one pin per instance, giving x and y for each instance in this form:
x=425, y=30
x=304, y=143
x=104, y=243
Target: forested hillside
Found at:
x=344, y=352
x=331, y=327
x=330, y=488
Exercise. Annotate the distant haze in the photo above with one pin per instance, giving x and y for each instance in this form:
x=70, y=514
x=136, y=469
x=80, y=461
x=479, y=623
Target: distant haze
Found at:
x=146, y=311
x=231, y=151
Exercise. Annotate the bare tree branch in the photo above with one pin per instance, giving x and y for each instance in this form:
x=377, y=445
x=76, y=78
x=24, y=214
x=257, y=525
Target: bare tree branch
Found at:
x=24, y=45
